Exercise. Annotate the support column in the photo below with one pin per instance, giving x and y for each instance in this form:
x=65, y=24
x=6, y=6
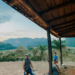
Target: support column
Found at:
x=60, y=52
x=49, y=51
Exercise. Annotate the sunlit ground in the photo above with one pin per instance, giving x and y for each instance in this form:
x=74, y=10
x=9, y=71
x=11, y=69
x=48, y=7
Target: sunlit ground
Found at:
x=15, y=68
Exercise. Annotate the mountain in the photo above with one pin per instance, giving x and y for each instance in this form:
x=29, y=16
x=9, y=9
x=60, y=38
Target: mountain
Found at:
x=70, y=42
x=26, y=41
x=6, y=46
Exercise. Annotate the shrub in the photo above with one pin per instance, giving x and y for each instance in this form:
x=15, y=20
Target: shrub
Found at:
x=36, y=58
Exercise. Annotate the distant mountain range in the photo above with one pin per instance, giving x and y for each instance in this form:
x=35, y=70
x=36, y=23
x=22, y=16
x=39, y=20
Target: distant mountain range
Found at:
x=26, y=41
x=70, y=42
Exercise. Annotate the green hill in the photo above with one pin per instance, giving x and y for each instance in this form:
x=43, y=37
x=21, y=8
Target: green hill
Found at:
x=6, y=46
x=70, y=42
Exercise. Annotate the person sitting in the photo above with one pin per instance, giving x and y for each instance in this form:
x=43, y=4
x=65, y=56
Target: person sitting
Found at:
x=26, y=66
x=54, y=70
x=55, y=58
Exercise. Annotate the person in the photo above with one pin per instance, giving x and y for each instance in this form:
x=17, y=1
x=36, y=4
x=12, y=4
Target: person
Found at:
x=27, y=66
x=55, y=58
x=54, y=70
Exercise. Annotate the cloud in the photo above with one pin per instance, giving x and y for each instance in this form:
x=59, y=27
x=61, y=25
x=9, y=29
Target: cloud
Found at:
x=4, y=12
x=4, y=18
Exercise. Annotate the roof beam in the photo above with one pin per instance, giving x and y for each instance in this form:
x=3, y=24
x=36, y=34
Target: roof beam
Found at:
x=54, y=26
x=66, y=26
x=57, y=7
x=66, y=31
x=62, y=17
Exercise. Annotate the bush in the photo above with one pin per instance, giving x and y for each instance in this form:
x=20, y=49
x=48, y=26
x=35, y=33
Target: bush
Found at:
x=36, y=58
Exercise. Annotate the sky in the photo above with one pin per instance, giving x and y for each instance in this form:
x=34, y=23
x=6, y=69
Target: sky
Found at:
x=15, y=25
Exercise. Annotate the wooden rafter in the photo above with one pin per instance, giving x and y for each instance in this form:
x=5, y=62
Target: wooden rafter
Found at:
x=66, y=26
x=54, y=26
x=67, y=31
x=57, y=7
x=58, y=18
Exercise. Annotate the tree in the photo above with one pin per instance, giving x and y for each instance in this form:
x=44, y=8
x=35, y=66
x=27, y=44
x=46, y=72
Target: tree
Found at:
x=21, y=51
x=56, y=44
x=42, y=48
x=35, y=51
x=1, y=54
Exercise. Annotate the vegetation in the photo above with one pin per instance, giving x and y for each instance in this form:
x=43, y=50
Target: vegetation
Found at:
x=42, y=48
x=56, y=44
x=70, y=42
x=38, y=53
x=6, y=46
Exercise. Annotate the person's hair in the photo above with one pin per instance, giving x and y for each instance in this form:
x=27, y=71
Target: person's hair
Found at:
x=55, y=53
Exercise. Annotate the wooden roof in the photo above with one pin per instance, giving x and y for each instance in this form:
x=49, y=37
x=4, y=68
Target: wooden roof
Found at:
x=58, y=15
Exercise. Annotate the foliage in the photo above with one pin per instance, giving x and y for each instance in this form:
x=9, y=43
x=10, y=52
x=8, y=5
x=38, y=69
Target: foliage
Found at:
x=56, y=44
x=70, y=42
x=35, y=51
x=42, y=48
x=6, y=46
x=30, y=48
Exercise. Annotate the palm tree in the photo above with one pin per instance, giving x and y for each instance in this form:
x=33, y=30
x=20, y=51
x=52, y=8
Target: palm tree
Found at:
x=1, y=54
x=56, y=44
x=42, y=48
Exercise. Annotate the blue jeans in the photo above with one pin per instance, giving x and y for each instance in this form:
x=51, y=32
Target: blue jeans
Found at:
x=29, y=72
x=54, y=73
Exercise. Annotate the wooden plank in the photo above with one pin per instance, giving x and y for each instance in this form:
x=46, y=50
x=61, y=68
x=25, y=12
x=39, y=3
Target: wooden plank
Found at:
x=61, y=1
x=62, y=17
x=68, y=19
x=53, y=3
x=72, y=17
x=67, y=9
x=62, y=20
x=23, y=8
x=58, y=21
x=33, y=3
x=66, y=31
x=73, y=7
x=64, y=25
x=66, y=28
x=57, y=2
x=55, y=13
x=49, y=3
x=53, y=23
x=45, y=17
x=61, y=11
x=42, y=4
x=50, y=24
x=48, y=15
x=57, y=7
x=66, y=1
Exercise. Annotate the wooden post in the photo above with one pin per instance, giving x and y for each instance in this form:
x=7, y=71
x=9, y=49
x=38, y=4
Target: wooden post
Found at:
x=49, y=51
x=60, y=52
